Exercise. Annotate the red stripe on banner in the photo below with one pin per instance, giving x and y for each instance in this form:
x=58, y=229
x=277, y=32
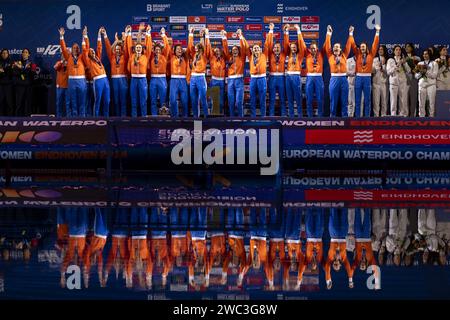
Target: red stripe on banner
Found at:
x=371, y=137
x=378, y=195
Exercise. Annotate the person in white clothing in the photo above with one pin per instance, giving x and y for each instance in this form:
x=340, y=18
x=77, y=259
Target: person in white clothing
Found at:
x=426, y=73
x=412, y=60
x=351, y=74
x=443, y=79
x=397, y=240
x=397, y=68
x=379, y=83
x=379, y=233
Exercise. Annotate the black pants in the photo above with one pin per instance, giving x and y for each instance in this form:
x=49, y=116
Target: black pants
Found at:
x=23, y=100
x=6, y=100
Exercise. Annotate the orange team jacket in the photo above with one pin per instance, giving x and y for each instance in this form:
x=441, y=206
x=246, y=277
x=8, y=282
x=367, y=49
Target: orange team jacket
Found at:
x=237, y=64
x=359, y=247
x=198, y=246
x=310, y=248
x=178, y=246
x=117, y=253
x=199, y=61
x=95, y=64
x=118, y=64
x=295, y=247
x=370, y=55
x=178, y=66
x=218, y=247
x=76, y=245
x=138, y=66
x=75, y=67
x=274, y=248
x=62, y=231
x=161, y=66
x=236, y=245
x=138, y=250
x=294, y=61
x=334, y=246
x=261, y=247
x=95, y=247
x=260, y=67
x=62, y=75
x=159, y=249
x=314, y=65
x=217, y=64
x=276, y=64
x=335, y=67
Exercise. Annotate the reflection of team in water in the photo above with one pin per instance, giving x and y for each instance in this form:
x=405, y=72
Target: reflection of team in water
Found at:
x=140, y=244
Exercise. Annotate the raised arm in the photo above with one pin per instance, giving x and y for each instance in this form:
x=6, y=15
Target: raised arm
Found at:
x=109, y=48
x=166, y=49
x=148, y=42
x=208, y=49
x=327, y=45
x=268, y=44
x=190, y=47
x=126, y=38
x=85, y=46
x=245, y=48
x=348, y=45
x=286, y=47
x=64, y=50
x=352, y=41
x=226, y=51
x=376, y=41
x=99, y=43
x=301, y=43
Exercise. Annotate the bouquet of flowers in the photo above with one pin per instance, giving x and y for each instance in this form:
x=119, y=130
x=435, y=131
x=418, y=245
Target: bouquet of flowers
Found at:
x=422, y=69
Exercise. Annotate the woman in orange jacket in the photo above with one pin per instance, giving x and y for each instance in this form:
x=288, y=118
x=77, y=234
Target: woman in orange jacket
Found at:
x=118, y=57
x=137, y=66
x=198, y=84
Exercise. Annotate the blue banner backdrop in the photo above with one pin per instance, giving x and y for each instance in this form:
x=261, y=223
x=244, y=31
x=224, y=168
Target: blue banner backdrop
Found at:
x=33, y=24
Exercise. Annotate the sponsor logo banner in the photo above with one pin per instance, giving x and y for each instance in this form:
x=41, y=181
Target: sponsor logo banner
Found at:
x=197, y=27
x=158, y=7
x=141, y=19
x=178, y=19
x=234, y=27
x=276, y=27
x=233, y=8
x=254, y=19
x=254, y=36
x=207, y=7
x=378, y=195
x=253, y=27
x=272, y=19
x=291, y=19
x=181, y=42
x=178, y=35
x=374, y=137
x=310, y=35
x=196, y=19
x=215, y=35
x=215, y=19
x=310, y=27
x=157, y=27
x=159, y=19
x=178, y=27
x=400, y=123
x=276, y=35
x=310, y=19
x=50, y=50
x=235, y=19
x=216, y=27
